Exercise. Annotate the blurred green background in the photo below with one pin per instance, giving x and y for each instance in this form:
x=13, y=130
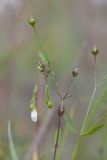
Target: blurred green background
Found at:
x=68, y=29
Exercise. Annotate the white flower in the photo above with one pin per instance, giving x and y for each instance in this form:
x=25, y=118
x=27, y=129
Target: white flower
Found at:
x=34, y=115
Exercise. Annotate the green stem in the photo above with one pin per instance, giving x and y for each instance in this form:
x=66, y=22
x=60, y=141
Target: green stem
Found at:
x=56, y=85
x=69, y=85
x=101, y=82
x=39, y=42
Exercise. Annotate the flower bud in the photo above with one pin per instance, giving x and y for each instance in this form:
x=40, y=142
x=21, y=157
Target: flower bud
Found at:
x=75, y=72
x=32, y=21
x=95, y=51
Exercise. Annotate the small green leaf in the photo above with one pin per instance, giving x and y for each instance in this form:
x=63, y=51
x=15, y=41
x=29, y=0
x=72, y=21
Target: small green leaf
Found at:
x=11, y=145
x=70, y=123
x=93, y=130
x=44, y=57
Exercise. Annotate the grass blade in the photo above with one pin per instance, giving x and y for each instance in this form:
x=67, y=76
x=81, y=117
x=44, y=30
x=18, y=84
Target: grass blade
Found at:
x=11, y=145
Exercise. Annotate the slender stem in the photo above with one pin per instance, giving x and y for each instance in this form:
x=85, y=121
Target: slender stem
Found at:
x=57, y=138
x=69, y=85
x=102, y=80
x=39, y=42
x=95, y=73
x=90, y=103
x=56, y=85
x=68, y=92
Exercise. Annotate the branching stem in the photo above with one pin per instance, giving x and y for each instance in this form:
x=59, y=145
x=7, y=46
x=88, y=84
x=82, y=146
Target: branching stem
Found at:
x=56, y=85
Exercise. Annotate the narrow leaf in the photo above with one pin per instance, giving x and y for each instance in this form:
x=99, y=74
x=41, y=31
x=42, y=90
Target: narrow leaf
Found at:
x=70, y=123
x=11, y=145
x=93, y=130
x=44, y=57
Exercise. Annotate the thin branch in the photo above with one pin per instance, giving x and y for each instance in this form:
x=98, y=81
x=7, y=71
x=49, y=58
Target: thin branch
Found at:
x=56, y=85
x=69, y=85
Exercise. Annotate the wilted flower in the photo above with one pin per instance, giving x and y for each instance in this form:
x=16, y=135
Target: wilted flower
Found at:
x=34, y=115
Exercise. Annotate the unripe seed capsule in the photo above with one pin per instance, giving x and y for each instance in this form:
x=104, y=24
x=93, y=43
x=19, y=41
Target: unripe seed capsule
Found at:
x=95, y=51
x=32, y=21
